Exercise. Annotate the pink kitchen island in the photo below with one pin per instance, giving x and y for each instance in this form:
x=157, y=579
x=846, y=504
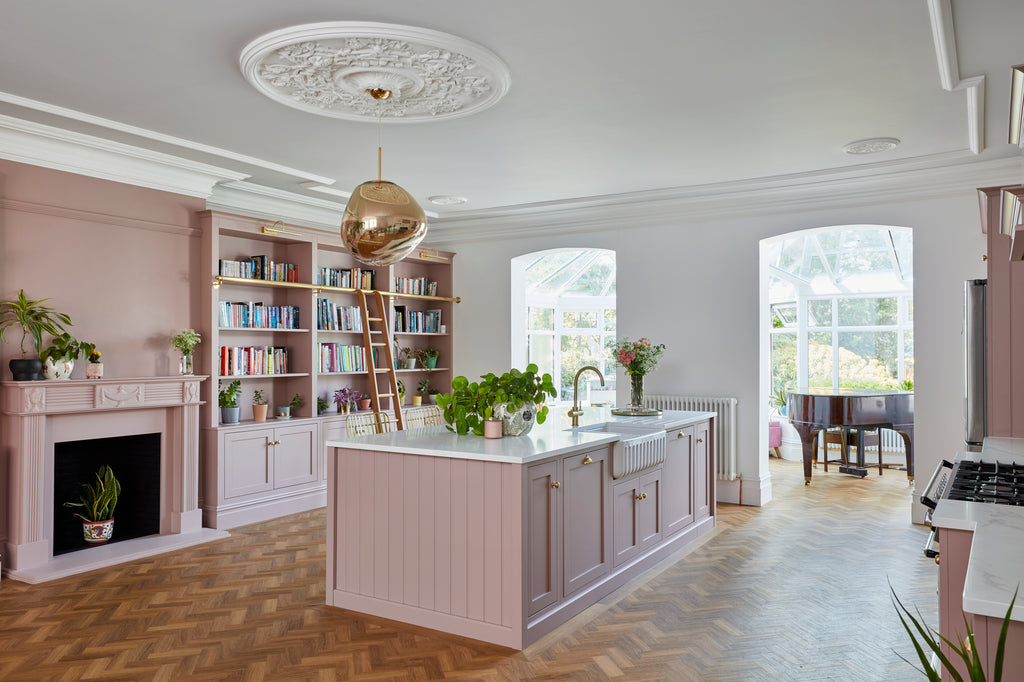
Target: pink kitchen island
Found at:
x=503, y=540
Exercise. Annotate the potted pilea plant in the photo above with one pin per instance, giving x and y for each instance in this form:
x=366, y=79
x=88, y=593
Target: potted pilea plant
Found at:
x=35, y=319
x=516, y=397
x=97, y=503
x=321, y=405
x=185, y=341
x=227, y=398
x=59, y=357
x=344, y=397
x=423, y=387
x=363, y=403
x=259, y=406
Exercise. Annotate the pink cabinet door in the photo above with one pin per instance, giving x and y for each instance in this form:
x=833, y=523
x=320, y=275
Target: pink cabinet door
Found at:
x=543, y=535
x=296, y=459
x=625, y=543
x=248, y=462
x=586, y=555
x=648, y=516
x=703, y=476
x=676, y=472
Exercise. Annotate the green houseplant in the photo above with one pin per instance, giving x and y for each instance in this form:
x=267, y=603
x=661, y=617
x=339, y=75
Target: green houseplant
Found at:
x=517, y=397
x=227, y=398
x=59, y=357
x=97, y=503
x=35, y=319
x=285, y=411
x=777, y=401
x=259, y=406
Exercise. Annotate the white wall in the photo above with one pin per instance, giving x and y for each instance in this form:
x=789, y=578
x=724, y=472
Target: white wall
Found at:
x=692, y=283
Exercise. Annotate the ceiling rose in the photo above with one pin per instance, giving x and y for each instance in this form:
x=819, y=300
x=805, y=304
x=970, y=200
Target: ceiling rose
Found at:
x=871, y=145
x=327, y=68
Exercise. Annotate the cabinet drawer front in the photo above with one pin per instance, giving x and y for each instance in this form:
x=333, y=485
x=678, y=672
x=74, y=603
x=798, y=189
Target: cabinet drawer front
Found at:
x=248, y=463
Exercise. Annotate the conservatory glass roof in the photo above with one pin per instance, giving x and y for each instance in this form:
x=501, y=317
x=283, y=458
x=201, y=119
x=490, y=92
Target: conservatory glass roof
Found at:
x=847, y=260
x=572, y=272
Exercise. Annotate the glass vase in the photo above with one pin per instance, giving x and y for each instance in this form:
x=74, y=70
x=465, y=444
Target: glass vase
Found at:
x=636, y=391
x=185, y=365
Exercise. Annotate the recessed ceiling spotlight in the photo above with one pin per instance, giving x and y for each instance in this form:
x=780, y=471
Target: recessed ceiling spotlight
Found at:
x=446, y=200
x=871, y=145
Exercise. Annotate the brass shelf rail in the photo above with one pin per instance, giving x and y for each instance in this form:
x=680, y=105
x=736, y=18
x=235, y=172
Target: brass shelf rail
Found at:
x=316, y=288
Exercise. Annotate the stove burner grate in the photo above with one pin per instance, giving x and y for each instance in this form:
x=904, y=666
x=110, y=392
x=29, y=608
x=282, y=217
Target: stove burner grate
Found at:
x=988, y=482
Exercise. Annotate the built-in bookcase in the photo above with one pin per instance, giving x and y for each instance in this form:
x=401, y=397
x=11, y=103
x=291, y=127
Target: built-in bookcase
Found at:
x=253, y=318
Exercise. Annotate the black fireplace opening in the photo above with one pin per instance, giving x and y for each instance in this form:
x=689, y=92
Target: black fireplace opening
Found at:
x=135, y=461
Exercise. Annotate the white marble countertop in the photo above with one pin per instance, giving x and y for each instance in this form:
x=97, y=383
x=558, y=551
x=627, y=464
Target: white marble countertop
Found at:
x=996, y=565
x=554, y=437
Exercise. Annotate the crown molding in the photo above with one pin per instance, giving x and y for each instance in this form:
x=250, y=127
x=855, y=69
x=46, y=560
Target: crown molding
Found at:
x=267, y=203
x=98, y=121
x=672, y=208
x=50, y=147
x=940, y=14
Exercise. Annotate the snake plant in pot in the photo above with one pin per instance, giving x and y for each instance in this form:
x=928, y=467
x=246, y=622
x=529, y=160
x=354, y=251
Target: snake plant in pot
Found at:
x=97, y=503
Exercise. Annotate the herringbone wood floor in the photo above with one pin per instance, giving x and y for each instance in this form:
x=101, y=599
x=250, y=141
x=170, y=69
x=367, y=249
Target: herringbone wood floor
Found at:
x=796, y=590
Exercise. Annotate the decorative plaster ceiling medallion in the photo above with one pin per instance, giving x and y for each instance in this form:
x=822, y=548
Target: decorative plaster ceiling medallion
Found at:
x=327, y=68
x=872, y=145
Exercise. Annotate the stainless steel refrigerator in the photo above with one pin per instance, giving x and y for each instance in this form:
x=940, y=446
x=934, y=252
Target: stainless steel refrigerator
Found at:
x=975, y=417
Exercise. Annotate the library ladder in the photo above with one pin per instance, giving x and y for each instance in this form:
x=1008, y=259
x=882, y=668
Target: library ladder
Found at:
x=383, y=332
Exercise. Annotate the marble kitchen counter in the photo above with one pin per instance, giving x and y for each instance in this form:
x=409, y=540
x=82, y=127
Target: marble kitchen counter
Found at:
x=996, y=566
x=554, y=437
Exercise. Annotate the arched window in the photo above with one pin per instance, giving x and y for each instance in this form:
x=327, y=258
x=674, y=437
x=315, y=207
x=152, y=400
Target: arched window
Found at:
x=842, y=308
x=563, y=317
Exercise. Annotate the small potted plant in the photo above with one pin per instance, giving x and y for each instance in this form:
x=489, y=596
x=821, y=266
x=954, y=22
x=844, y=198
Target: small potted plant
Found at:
x=321, y=405
x=363, y=403
x=428, y=357
x=409, y=356
x=97, y=503
x=259, y=406
x=59, y=357
x=93, y=364
x=227, y=398
x=35, y=319
x=344, y=397
x=401, y=392
x=185, y=341
x=423, y=387
x=285, y=411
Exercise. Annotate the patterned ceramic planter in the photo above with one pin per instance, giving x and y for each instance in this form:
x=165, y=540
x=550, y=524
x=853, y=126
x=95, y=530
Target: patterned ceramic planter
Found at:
x=94, y=370
x=516, y=423
x=61, y=369
x=97, y=532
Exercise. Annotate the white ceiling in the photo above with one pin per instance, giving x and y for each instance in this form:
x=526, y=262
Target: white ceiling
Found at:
x=607, y=97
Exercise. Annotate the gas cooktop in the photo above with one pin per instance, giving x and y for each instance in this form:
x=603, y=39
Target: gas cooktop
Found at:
x=991, y=482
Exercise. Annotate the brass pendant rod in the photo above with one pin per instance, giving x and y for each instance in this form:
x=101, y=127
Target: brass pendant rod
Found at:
x=378, y=165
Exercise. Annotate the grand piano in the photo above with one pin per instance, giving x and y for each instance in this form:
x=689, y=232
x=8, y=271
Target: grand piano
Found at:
x=811, y=410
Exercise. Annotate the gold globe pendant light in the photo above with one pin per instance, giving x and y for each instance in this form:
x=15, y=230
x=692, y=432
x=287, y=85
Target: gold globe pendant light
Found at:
x=382, y=222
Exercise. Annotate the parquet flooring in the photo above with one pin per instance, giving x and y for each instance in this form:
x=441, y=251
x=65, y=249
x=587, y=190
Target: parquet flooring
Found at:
x=796, y=590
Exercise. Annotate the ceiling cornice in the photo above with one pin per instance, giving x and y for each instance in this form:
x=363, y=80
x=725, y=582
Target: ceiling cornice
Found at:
x=50, y=147
x=258, y=201
x=940, y=12
x=675, y=208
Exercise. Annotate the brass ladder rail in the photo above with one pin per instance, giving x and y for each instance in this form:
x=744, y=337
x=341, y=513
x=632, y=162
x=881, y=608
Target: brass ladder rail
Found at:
x=386, y=340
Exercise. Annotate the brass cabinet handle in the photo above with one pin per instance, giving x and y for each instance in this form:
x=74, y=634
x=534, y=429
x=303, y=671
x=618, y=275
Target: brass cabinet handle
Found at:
x=645, y=496
x=556, y=484
x=642, y=496
x=680, y=434
x=700, y=440
x=275, y=442
x=639, y=497
x=587, y=460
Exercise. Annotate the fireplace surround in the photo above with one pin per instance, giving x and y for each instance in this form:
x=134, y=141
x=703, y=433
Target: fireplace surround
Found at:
x=38, y=414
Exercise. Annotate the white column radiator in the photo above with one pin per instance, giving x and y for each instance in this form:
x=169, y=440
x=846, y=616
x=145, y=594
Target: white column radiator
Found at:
x=725, y=424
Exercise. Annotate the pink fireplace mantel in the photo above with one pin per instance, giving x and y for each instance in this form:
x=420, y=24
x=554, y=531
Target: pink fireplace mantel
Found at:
x=37, y=414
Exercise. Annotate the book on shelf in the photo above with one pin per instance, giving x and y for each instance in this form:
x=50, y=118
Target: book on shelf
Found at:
x=420, y=286
x=335, y=317
x=399, y=321
x=257, y=315
x=258, y=267
x=253, y=360
x=417, y=321
x=347, y=278
x=340, y=357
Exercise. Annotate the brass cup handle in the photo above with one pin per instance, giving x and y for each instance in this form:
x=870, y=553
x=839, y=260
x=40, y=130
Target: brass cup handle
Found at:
x=556, y=484
x=587, y=460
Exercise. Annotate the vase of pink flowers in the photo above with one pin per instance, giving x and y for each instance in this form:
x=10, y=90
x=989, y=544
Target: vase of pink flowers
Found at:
x=637, y=358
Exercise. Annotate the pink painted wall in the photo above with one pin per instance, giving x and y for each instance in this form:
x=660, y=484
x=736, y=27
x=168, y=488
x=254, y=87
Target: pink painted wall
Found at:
x=119, y=259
